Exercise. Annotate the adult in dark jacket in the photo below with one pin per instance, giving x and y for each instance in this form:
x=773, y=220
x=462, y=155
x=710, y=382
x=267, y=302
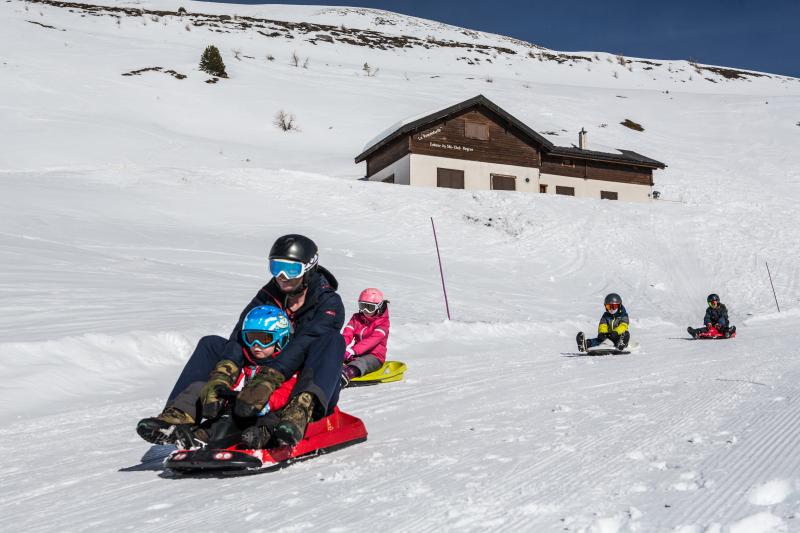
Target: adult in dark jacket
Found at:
x=306, y=292
x=716, y=316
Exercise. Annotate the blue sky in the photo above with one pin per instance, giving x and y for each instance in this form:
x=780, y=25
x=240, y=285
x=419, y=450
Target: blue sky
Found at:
x=760, y=35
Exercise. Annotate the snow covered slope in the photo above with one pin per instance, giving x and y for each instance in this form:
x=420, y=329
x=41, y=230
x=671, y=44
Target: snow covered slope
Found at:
x=135, y=214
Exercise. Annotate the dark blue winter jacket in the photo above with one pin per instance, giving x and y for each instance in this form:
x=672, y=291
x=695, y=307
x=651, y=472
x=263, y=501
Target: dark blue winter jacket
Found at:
x=321, y=313
x=718, y=315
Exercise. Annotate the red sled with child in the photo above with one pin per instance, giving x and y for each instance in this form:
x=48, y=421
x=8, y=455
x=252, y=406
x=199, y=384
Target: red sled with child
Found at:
x=225, y=455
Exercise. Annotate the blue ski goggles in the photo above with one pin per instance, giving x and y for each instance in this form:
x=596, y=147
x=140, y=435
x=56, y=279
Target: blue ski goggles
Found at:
x=264, y=339
x=287, y=269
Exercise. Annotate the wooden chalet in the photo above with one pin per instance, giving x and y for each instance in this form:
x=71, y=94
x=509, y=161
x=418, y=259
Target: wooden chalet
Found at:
x=476, y=145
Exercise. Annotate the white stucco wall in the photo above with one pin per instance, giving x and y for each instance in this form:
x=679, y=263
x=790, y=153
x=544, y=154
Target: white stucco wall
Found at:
x=627, y=192
x=420, y=170
x=476, y=173
x=400, y=168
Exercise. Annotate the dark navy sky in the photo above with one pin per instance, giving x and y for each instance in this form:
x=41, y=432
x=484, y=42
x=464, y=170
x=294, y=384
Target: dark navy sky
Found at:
x=759, y=35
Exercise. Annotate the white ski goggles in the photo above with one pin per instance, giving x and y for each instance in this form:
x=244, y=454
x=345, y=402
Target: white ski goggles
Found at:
x=369, y=307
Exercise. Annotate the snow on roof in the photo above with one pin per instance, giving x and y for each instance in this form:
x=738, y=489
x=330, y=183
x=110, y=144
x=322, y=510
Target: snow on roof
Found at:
x=399, y=124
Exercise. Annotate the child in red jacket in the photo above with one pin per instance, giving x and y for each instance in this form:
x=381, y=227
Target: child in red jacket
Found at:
x=365, y=336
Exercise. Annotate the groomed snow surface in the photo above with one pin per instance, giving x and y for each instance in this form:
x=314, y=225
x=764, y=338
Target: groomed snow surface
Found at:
x=135, y=216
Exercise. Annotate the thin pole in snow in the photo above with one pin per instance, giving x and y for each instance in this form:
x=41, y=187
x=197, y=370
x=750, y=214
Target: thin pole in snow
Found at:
x=773, y=287
x=441, y=272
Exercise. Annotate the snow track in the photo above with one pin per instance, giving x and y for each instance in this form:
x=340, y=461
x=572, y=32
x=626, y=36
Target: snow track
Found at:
x=682, y=435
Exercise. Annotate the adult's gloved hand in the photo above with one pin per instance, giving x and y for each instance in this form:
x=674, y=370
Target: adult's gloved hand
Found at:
x=222, y=377
x=255, y=395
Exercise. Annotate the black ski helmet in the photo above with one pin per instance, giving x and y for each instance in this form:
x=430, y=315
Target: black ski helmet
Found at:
x=613, y=298
x=295, y=248
x=712, y=298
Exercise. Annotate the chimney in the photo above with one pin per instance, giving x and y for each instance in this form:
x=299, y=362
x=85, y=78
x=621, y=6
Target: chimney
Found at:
x=582, y=139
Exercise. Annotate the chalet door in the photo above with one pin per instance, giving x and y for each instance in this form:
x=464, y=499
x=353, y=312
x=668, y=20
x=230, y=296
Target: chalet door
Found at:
x=503, y=183
x=449, y=178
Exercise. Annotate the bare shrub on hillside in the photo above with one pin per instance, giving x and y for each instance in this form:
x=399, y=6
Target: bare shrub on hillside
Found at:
x=305, y=63
x=285, y=121
x=295, y=60
x=270, y=57
x=621, y=60
x=369, y=71
x=237, y=53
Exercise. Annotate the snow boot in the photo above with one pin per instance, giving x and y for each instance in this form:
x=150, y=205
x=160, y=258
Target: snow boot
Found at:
x=729, y=331
x=581, y=340
x=692, y=332
x=167, y=428
x=294, y=419
x=348, y=372
x=256, y=437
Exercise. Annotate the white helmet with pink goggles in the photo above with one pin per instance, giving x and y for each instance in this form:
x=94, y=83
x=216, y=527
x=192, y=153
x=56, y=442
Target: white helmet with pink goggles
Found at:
x=370, y=300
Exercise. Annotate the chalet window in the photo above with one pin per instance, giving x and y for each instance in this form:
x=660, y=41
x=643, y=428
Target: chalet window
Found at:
x=449, y=178
x=388, y=179
x=543, y=188
x=568, y=163
x=476, y=130
x=504, y=183
x=568, y=191
x=608, y=195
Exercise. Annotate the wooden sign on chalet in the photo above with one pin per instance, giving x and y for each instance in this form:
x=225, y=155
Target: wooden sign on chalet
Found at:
x=476, y=145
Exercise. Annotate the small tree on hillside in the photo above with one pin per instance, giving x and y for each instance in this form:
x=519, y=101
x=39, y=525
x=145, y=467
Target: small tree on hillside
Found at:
x=211, y=62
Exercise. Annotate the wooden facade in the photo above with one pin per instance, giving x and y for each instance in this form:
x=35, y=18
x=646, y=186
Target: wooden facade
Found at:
x=502, y=147
x=449, y=139
x=596, y=170
x=387, y=155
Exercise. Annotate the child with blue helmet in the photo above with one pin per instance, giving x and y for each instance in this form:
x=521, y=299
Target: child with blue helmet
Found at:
x=265, y=332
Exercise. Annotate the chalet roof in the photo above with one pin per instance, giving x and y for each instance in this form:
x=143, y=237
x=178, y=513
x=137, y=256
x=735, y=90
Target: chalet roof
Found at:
x=410, y=126
x=625, y=156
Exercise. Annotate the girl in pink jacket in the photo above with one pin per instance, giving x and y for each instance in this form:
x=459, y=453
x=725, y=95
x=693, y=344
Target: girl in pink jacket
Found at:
x=365, y=336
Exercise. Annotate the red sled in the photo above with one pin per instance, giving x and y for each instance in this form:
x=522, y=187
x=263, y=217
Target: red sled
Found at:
x=714, y=333
x=333, y=432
